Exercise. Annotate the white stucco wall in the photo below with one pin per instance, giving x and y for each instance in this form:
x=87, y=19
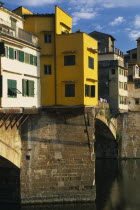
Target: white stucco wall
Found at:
x=31, y=71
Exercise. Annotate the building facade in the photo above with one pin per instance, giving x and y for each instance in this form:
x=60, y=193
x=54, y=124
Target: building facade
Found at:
x=68, y=60
x=19, y=63
x=112, y=73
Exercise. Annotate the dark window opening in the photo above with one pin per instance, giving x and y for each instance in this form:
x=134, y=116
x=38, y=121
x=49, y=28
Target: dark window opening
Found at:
x=47, y=69
x=90, y=62
x=47, y=38
x=70, y=90
x=137, y=101
x=69, y=60
x=134, y=55
x=92, y=90
x=113, y=71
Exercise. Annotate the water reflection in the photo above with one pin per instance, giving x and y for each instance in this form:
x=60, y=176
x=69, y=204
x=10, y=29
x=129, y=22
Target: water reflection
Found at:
x=118, y=188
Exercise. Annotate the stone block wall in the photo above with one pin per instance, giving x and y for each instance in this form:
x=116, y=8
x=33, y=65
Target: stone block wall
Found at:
x=58, y=160
x=129, y=131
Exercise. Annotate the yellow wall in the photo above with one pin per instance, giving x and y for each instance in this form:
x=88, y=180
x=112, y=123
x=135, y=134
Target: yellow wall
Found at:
x=90, y=73
x=62, y=17
x=39, y=26
x=22, y=11
x=69, y=42
x=80, y=72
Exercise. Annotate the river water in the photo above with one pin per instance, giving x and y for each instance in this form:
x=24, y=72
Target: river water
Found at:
x=118, y=188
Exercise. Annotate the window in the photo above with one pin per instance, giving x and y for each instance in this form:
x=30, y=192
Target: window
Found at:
x=13, y=23
x=47, y=38
x=137, y=101
x=28, y=88
x=69, y=60
x=27, y=58
x=47, y=69
x=21, y=56
x=2, y=49
x=90, y=62
x=113, y=71
x=31, y=59
x=12, y=88
x=86, y=90
x=92, y=91
x=137, y=83
x=6, y=52
x=134, y=55
x=35, y=60
x=11, y=53
x=69, y=90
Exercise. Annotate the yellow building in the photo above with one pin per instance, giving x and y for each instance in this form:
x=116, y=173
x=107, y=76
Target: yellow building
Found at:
x=68, y=60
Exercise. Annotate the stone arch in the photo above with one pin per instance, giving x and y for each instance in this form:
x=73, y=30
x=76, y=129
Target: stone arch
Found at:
x=9, y=153
x=106, y=145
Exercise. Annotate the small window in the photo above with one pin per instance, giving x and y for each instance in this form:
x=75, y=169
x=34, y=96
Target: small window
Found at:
x=27, y=88
x=6, y=52
x=69, y=90
x=2, y=49
x=92, y=91
x=31, y=59
x=47, y=38
x=27, y=58
x=21, y=56
x=90, y=62
x=134, y=55
x=11, y=53
x=69, y=60
x=86, y=90
x=35, y=60
x=137, y=101
x=47, y=69
x=113, y=71
x=12, y=88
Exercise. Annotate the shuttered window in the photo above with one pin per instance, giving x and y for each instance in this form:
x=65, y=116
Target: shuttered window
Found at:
x=92, y=91
x=31, y=59
x=35, y=60
x=69, y=90
x=90, y=62
x=12, y=88
x=21, y=56
x=28, y=88
x=11, y=53
x=27, y=58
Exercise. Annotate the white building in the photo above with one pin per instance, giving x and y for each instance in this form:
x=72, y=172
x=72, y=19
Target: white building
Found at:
x=19, y=63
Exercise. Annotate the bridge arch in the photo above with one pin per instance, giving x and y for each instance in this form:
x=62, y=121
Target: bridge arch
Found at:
x=106, y=145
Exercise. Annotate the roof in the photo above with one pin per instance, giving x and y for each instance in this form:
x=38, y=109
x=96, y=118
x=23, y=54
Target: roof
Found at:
x=131, y=50
x=39, y=15
x=100, y=33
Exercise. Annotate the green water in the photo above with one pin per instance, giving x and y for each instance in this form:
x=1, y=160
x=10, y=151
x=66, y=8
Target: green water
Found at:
x=118, y=188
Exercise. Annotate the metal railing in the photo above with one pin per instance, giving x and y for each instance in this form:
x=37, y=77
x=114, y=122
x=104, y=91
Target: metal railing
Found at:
x=114, y=50
x=5, y=28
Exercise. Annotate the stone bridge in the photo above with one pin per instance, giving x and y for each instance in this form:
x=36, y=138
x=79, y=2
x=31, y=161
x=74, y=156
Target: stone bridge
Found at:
x=55, y=148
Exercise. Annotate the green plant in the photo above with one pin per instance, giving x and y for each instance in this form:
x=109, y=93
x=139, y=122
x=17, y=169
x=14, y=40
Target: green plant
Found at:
x=118, y=136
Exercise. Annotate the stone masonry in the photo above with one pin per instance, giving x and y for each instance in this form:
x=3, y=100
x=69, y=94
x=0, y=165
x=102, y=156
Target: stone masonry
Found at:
x=58, y=157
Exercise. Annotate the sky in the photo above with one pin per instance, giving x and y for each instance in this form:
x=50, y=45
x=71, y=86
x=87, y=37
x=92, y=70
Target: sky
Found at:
x=119, y=18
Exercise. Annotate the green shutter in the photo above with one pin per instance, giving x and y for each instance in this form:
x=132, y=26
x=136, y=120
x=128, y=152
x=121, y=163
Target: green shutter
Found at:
x=24, y=87
x=21, y=56
x=12, y=88
x=35, y=60
x=31, y=88
x=11, y=53
x=31, y=59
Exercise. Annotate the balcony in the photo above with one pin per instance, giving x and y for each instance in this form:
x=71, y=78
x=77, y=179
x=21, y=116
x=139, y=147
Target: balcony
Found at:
x=5, y=29
x=113, y=50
